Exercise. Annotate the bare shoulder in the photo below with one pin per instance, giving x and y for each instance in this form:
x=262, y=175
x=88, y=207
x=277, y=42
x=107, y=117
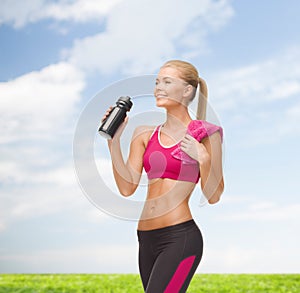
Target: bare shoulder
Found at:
x=143, y=132
x=213, y=138
x=213, y=143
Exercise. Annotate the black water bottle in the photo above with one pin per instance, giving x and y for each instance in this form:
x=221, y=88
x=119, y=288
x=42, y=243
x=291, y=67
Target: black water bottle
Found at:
x=115, y=118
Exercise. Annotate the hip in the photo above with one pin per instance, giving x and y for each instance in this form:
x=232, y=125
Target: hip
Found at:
x=188, y=228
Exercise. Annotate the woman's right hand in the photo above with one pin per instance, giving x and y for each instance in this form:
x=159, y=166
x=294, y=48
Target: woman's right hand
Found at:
x=119, y=131
x=106, y=114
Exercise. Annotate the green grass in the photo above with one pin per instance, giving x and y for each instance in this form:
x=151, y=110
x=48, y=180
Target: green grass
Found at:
x=130, y=283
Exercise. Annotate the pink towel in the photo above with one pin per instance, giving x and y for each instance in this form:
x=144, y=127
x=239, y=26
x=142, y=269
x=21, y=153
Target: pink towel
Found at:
x=198, y=129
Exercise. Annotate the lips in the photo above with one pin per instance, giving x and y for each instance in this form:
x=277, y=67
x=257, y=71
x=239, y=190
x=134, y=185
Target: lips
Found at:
x=161, y=96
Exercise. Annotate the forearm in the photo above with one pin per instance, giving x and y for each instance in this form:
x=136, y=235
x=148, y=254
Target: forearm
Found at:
x=212, y=185
x=121, y=171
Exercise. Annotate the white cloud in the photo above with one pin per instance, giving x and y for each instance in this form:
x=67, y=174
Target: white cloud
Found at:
x=37, y=113
x=80, y=10
x=32, y=193
x=138, y=38
x=236, y=259
x=276, y=78
x=100, y=258
x=104, y=167
x=264, y=211
x=2, y=226
x=120, y=258
x=260, y=98
x=94, y=215
x=290, y=121
x=21, y=13
x=22, y=172
x=38, y=193
x=38, y=104
x=232, y=199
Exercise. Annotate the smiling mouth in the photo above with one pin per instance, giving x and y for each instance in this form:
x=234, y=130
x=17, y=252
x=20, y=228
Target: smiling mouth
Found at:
x=161, y=96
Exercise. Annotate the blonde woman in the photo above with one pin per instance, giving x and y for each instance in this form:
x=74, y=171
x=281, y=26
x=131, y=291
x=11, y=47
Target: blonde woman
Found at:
x=177, y=155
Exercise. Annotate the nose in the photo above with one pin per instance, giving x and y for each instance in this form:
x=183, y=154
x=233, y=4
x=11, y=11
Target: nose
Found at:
x=158, y=87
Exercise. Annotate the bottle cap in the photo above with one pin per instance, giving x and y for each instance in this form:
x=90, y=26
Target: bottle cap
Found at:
x=126, y=101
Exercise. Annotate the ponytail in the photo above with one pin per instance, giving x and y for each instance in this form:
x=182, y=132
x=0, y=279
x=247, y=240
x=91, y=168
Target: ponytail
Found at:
x=202, y=99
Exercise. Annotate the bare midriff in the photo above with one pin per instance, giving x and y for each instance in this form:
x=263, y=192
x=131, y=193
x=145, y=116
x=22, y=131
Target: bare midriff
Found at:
x=167, y=204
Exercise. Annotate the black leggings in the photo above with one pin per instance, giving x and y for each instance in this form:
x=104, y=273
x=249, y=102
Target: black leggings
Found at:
x=169, y=257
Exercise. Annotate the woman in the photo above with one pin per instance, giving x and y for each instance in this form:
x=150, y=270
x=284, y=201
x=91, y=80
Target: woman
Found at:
x=173, y=155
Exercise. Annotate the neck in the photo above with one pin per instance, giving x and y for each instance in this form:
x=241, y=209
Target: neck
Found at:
x=177, y=118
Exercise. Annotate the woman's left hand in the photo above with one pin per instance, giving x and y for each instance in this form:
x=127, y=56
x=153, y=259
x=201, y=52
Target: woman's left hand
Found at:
x=195, y=149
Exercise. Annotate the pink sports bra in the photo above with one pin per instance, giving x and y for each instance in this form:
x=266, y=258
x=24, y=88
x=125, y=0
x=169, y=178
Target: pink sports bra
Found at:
x=169, y=161
x=160, y=163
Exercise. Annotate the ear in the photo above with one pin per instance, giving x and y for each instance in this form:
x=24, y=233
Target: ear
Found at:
x=188, y=91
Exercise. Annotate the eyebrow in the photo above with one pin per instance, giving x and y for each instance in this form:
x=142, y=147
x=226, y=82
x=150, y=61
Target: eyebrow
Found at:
x=165, y=77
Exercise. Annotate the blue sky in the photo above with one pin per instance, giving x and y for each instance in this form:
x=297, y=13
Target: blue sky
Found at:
x=57, y=55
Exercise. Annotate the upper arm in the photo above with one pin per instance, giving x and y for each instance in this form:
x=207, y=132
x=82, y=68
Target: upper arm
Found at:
x=136, y=152
x=213, y=145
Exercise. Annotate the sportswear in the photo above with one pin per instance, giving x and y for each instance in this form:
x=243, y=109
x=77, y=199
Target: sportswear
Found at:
x=170, y=161
x=169, y=257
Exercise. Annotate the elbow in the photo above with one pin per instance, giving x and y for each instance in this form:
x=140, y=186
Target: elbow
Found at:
x=215, y=198
x=126, y=187
x=128, y=191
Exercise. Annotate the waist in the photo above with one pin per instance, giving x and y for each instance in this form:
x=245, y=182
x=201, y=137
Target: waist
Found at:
x=167, y=204
x=161, y=232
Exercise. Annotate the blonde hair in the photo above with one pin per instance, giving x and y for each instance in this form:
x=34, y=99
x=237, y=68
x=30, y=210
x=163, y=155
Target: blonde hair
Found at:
x=189, y=73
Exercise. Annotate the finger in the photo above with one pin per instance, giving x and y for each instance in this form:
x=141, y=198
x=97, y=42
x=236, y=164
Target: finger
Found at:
x=104, y=117
x=185, y=140
x=107, y=113
x=184, y=143
x=184, y=146
x=189, y=137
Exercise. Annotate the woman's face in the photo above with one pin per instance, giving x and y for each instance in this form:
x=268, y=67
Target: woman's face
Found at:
x=169, y=88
